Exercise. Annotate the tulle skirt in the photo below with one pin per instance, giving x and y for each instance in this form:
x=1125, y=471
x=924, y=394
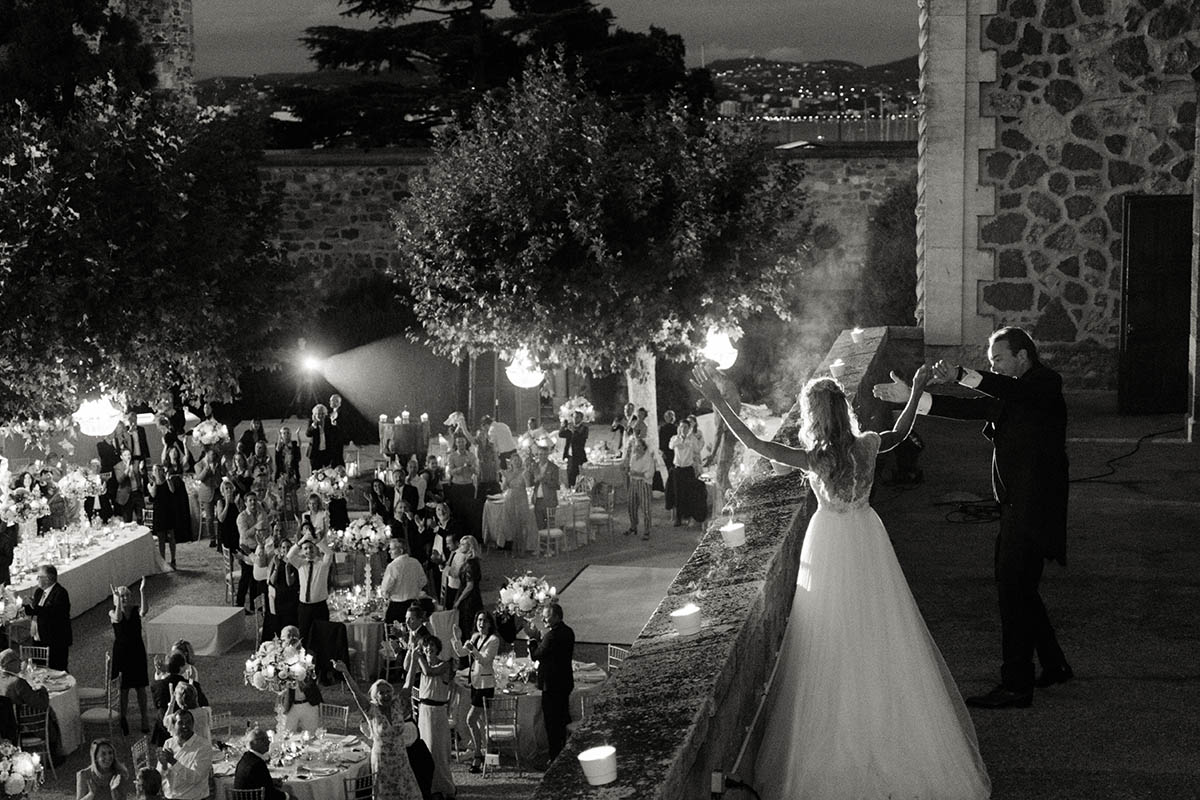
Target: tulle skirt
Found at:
x=863, y=705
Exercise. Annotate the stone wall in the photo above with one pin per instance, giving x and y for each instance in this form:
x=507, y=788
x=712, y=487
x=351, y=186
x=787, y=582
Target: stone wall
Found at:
x=167, y=27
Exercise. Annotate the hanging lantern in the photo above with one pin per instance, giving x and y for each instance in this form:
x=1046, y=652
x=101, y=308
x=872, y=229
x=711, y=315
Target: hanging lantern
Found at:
x=718, y=348
x=523, y=372
x=97, y=417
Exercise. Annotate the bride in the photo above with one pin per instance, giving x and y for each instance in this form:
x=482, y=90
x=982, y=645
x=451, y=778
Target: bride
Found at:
x=864, y=705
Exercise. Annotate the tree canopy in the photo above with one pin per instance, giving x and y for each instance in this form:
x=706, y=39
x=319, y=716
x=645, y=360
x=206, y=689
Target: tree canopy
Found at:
x=560, y=223
x=426, y=62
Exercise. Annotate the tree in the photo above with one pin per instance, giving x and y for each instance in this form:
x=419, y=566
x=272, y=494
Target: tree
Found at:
x=590, y=235
x=135, y=254
x=887, y=291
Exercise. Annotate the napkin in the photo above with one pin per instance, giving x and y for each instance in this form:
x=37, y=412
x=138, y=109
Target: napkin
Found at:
x=223, y=769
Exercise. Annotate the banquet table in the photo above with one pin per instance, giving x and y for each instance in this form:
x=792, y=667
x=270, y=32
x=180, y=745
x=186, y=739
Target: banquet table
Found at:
x=531, y=735
x=610, y=471
x=364, y=634
x=573, y=509
x=120, y=555
x=212, y=630
x=64, y=702
x=309, y=777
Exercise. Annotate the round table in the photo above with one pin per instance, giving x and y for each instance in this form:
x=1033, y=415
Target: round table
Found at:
x=299, y=777
x=364, y=634
x=64, y=702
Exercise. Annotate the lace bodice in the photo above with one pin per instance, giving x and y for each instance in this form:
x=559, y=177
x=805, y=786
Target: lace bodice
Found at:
x=855, y=493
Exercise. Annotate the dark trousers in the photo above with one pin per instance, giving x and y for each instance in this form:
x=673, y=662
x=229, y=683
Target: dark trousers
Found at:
x=308, y=614
x=396, y=610
x=573, y=467
x=57, y=658
x=1024, y=624
x=248, y=586
x=556, y=713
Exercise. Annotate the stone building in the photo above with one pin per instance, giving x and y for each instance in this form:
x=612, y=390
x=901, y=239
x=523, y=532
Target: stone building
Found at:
x=1055, y=184
x=166, y=26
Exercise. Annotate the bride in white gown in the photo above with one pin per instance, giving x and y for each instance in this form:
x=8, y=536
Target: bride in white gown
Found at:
x=864, y=705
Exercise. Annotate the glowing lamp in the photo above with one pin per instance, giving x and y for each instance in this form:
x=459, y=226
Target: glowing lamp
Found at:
x=97, y=417
x=310, y=363
x=599, y=764
x=523, y=372
x=718, y=348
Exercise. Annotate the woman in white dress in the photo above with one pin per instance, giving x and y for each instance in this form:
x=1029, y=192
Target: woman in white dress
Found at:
x=864, y=706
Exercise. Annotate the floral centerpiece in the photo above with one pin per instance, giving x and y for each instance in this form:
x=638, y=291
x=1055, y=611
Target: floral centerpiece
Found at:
x=11, y=606
x=525, y=594
x=582, y=405
x=19, y=771
x=328, y=483
x=278, y=666
x=209, y=432
x=366, y=535
x=24, y=505
x=79, y=484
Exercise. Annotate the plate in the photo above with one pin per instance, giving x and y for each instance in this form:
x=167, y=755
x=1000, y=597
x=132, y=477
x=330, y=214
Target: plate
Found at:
x=321, y=772
x=515, y=691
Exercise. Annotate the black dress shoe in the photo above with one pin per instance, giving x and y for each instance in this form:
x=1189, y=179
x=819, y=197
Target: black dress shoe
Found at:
x=1001, y=697
x=1052, y=675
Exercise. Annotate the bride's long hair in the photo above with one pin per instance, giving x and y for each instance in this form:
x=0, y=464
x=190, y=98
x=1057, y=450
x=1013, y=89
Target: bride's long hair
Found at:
x=828, y=429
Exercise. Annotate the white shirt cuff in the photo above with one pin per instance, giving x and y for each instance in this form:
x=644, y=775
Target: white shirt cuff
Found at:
x=971, y=379
x=925, y=403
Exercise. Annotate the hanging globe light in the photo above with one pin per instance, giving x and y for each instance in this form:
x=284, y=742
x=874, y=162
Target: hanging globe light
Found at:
x=523, y=372
x=97, y=417
x=718, y=348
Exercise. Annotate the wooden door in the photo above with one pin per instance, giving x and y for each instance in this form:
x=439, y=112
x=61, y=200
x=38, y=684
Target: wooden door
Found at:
x=1155, y=305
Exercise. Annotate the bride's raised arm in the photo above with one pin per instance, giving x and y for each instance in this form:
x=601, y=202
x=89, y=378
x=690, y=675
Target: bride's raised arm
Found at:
x=703, y=380
x=904, y=422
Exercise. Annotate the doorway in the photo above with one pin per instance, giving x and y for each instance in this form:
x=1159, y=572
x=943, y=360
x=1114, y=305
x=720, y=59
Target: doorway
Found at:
x=1156, y=302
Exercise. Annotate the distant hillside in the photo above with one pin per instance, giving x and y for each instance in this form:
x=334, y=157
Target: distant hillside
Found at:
x=893, y=71
x=220, y=90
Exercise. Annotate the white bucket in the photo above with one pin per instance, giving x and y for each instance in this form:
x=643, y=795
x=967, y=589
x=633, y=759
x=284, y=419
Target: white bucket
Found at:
x=599, y=764
x=687, y=619
x=733, y=534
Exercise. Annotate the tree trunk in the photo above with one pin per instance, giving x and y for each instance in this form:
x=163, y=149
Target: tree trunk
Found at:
x=642, y=392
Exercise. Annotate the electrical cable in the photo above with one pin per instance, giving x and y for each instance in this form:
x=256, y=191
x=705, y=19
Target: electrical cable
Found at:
x=734, y=783
x=1111, y=464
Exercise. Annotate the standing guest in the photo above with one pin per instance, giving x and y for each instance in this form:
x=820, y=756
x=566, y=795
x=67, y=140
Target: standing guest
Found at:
x=226, y=512
x=262, y=470
x=176, y=465
x=542, y=475
x=283, y=590
x=10, y=537
x=149, y=784
x=129, y=651
x=482, y=647
x=380, y=499
x=164, y=512
x=433, y=720
x=318, y=438
x=335, y=429
x=393, y=738
x=287, y=478
x=403, y=581
x=488, y=478
x=139, y=443
x=641, y=477
x=252, y=530
x=58, y=504
x=575, y=431
x=621, y=425
x=128, y=475
x=105, y=778
x=163, y=692
x=553, y=650
x=302, y=706
x=687, y=494
x=434, y=475
x=313, y=558
x=463, y=470
x=467, y=598
x=415, y=484
x=185, y=762
x=316, y=516
x=518, y=519
x=51, y=612
x=252, y=771
x=109, y=452
x=665, y=431
x=208, y=482
x=189, y=671
x=500, y=435
x=338, y=508
x=251, y=437
x=16, y=691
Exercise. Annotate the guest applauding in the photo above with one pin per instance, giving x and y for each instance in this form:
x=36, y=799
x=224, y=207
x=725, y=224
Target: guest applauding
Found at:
x=129, y=651
x=312, y=558
x=575, y=431
x=164, y=512
x=393, y=739
x=318, y=438
x=433, y=721
x=316, y=516
x=283, y=590
x=185, y=762
x=262, y=470
x=149, y=784
x=542, y=475
x=186, y=698
x=128, y=476
x=641, y=477
x=287, y=478
x=208, y=482
x=302, y=707
x=687, y=494
x=252, y=770
x=380, y=500
x=434, y=476
x=464, y=573
x=106, y=778
x=250, y=438
x=482, y=648
x=553, y=650
x=252, y=529
x=403, y=581
x=414, y=480
x=51, y=612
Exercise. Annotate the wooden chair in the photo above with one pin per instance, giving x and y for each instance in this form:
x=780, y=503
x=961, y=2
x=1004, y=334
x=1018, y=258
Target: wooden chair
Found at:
x=501, y=727
x=416, y=703
x=586, y=699
x=360, y=788
x=604, y=498
x=245, y=794
x=107, y=714
x=342, y=574
x=335, y=716
x=391, y=656
x=33, y=733
x=94, y=696
x=140, y=752
x=550, y=536
x=39, y=655
x=616, y=655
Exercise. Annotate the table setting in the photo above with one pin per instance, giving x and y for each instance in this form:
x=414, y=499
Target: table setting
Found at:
x=312, y=766
x=64, y=701
x=360, y=609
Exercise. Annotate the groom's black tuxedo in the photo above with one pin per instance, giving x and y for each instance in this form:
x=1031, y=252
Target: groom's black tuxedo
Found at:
x=1026, y=421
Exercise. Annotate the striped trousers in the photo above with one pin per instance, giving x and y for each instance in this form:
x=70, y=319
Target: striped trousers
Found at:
x=639, y=505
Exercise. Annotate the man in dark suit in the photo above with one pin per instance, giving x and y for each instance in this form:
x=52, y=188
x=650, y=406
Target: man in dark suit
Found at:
x=575, y=449
x=109, y=452
x=1025, y=419
x=335, y=432
x=318, y=438
x=51, y=612
x=252, y=770
x=553, y=651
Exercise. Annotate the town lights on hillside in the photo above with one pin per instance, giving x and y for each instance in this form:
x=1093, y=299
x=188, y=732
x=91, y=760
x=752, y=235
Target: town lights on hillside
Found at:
x=718, y=348
x=522, y=372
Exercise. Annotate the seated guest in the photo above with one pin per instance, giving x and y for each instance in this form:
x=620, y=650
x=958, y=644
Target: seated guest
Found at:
x=316, y=515
x=163, y=692
x=380, y=500
x=189, y=671
x=16, y=691
x=185, y=762
x=403, y=581
x=252, y=770
x=185, y=698
x=149, y=784
x=290, y=635
x=302, y=707
x=106, y=778
x=51, y=612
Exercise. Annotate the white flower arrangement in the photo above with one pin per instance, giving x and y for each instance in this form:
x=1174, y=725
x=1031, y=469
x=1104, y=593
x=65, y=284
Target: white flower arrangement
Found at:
x=582, y=405
x=277, y=666
x=19, y=771
x=523, y=595
x=328, y=483
x=23, y=505
x=11, y=606
x=79, y=484
x=210, y=432
x=364, y=535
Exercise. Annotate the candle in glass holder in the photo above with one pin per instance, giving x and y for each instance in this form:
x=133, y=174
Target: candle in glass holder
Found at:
x=733, y=533
x=687, y=619
x=837, y=368
x=856, y=335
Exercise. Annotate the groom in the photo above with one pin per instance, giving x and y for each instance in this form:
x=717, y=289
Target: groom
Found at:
x=1025, y=419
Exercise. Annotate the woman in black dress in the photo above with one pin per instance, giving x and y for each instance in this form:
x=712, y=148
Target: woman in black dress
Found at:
x=176, y=465
x=283, y=591
x=163, y=503
x=129, y=651
x=227, y=513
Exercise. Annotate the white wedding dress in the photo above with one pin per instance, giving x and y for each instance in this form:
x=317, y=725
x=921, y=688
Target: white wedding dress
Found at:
x=863, y=704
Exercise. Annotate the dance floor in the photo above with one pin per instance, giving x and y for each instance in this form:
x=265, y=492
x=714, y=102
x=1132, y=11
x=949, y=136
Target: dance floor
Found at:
x=610, y=605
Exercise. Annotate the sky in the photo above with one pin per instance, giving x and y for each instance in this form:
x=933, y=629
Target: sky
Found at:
x=247, y=37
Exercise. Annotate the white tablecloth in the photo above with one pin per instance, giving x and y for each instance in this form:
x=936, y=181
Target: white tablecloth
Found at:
x=129, y=555
x=212, y=630
x=64, y=702
x=313, y=787
x=572, y=513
